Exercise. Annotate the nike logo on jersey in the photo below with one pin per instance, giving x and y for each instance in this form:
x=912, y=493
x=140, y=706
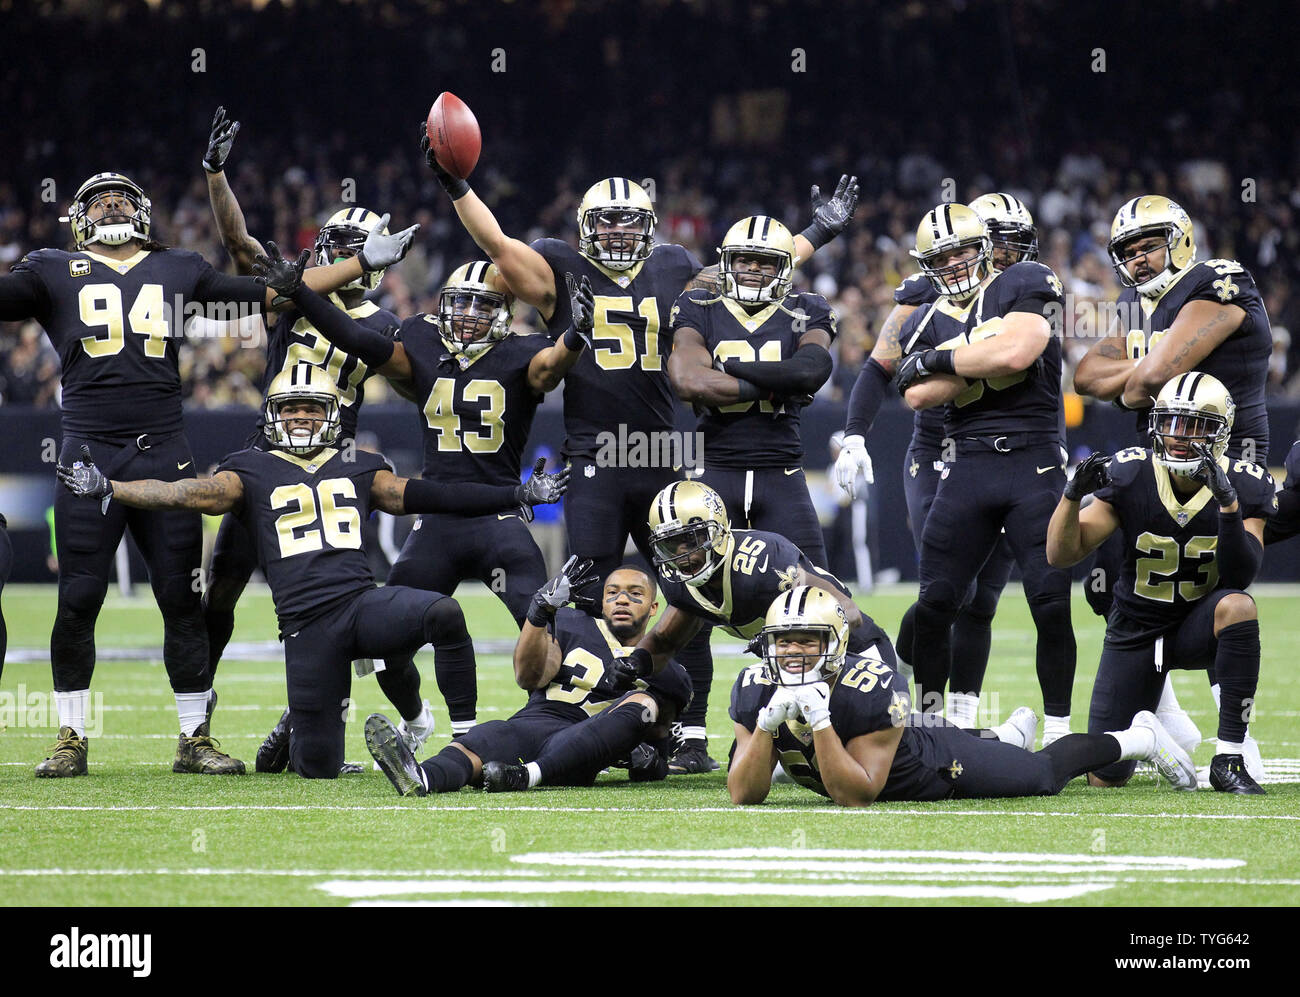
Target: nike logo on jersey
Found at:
x=792, y=470
x=505, y=516
x=1049, y=467
x=181, y=467
x=763, y=567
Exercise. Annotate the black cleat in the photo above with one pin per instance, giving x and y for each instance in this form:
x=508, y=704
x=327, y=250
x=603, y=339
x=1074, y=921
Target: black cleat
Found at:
x=68, y=758
x=691, y=758
x=502, y=777
x=646, y=764
x=273, y=754
x=1228, y=775
x=393, y=757
x=199, y=754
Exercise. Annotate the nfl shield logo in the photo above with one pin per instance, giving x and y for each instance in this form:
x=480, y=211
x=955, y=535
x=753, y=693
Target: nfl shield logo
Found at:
x=1182, y=518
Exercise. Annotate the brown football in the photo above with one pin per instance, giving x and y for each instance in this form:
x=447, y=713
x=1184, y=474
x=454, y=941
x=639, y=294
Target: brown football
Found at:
x=454, y=135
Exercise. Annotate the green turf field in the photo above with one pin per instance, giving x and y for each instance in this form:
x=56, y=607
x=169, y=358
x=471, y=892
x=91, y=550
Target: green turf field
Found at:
x=132, y=833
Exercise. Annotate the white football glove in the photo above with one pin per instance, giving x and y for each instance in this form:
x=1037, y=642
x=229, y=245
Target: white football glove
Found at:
x=780, y=708
x=814, y=701
x=853, y=459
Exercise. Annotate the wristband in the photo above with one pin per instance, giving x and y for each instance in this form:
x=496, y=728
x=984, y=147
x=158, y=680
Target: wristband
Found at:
x=573, y=341
x=817, y=234
x=939, y=361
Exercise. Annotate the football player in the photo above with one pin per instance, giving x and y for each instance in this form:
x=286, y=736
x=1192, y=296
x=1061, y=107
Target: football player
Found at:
x=1015, y=240
x=1286, y=523
x=6, y=563
x=842, y=725
x=1181, y=315
x=113, y=310
x=478, y=388
x=291, y=340
x=1191, y=521
x=572, y=726
x=304, y=500
x=985, y=350
x=620, y=390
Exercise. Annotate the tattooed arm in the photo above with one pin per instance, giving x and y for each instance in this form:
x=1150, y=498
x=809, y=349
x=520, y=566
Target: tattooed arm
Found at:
x=1198, y=329
x=241, y=246
x=708, y=279
x=220, y=493
x=1104, y=370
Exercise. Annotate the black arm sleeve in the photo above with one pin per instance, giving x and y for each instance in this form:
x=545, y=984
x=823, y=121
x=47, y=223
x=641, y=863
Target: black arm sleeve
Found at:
x=803, y=374
x=1286, y=522
x=457, y=496
x=373, y=348
x=1238, y=554
x=217, y=286
x=867, y=397
x=22, y=296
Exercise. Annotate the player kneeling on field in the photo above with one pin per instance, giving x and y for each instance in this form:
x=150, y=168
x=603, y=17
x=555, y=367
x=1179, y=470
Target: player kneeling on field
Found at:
x=842, y=725
x=1202, y=516
x=576, y=722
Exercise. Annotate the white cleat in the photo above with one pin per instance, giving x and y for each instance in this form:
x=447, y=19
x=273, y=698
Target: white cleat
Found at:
x=1180, y=727
x=1020, y=729
x=1172, y=761
x=419, y=730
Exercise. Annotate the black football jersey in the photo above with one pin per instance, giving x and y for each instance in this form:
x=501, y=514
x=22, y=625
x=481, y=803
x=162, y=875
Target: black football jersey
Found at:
x=588, y=648
x=1240, y=361
x=477, y=413
x=294, y=340
x=756, y=433
x=1286, y=524
x=1027, y=401
x=306, y=516
x=867, y=696
x=623, y=380
x=117, y=327
x=927, y=424
x=1170, y=539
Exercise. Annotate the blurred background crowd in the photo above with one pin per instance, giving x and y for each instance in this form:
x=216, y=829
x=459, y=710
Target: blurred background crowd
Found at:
x=723, y=108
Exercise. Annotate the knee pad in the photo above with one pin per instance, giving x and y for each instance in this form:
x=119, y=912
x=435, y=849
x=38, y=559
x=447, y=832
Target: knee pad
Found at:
x=223, y=593
x=940, y=596
x=444, y=623
x=983, y=602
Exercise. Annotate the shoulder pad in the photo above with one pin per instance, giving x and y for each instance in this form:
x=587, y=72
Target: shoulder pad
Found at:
x=915, y=290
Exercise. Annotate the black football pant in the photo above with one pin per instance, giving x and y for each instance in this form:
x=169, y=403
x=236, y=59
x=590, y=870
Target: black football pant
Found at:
x=444, y=550
x=171, y=542
x=6, y=563
x=392, y=621
x=234, y=559
x=983, y=492
x=606, y=505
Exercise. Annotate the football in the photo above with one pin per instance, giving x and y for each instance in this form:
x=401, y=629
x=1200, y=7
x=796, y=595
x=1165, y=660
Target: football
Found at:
x=454, y=135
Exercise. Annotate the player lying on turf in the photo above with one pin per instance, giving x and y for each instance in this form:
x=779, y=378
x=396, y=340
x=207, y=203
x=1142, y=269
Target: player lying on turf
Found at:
x=842, y=725
x=1202, y=516
x=304, y=501
x=574, y=724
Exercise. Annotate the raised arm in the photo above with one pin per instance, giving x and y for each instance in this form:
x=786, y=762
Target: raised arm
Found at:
x=830, y=217
x=548, y=367
x=220, y=493
x=1072, y=534
x=241, y=246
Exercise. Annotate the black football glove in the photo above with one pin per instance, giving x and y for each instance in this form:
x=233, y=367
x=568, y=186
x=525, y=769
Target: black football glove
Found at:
x=562, y=590
x=85, y=480
x=831, y=215
x=455, y=187
x=541, y=488
x=621, y=674
x=1212, y=476
x=1090, y=474
x=277, y=273
x=910, y=370
x=582, y=301
x=220, y=139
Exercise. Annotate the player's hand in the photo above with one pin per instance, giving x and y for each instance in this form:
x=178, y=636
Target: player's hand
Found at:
x=790, y=404
x=1212, y=476
x=562, y=590
x=913, y=368
x=277, y=273
x=220, y=139
x=582, y=301
x=455, y=187
x=780, y=708
x=541, y=488
x=832, y=215
x=383, y=250
x=1092, y=472
x=85, y=480
x=852, y=461
x=622, y=673
x=814, y=701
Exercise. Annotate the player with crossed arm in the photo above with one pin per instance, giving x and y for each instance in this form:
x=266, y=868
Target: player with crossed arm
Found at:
x=1191, y=522
x=841, y=724
x=1015, y=240
x=304, y=502
x=574, y=725
x=111, y=308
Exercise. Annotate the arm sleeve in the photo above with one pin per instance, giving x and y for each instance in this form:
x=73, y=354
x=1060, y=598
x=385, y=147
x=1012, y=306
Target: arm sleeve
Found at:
x=1239, y=553
x=868, y=395
x=457, y=496
x=213, y=285
x=1286, y=523
x=373, y=348
x=22, y=296
x=803, y=374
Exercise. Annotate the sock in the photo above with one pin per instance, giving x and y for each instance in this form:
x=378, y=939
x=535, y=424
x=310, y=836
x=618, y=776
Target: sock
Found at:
x=1075, y=754
x=1054, y=727
x=1230, y=748
x=1135, y=744
x=534, y=774
x=577, y=753
x=192, y=709
x=400, y=682
x=447, y=771
x=459, y=727
x=1168, y=700
x=962, y=708
x=1237, y=665
x=72, y=709
x=693, y=733
x=1216, y=693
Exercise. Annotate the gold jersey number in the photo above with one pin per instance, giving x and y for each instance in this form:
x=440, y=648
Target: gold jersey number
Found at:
x=440, y=416
x=318, y=515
